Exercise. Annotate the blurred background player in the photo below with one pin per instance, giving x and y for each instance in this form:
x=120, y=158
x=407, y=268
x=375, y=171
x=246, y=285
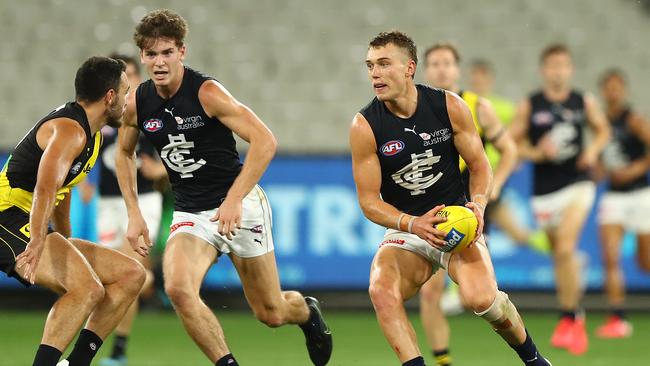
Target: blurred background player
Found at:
x=96, y=285
x=404, y=176
x=549, y=126
x=626, y=203
x=481, y=81
x=112, y=217
x=190, y=118
x=442, y=70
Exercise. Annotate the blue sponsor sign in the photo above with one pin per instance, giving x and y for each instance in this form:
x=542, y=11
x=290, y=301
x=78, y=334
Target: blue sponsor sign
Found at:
x=322, y=239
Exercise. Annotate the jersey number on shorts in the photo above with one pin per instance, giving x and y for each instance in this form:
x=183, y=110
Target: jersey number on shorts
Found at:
x=173, y=154
x=412, y=175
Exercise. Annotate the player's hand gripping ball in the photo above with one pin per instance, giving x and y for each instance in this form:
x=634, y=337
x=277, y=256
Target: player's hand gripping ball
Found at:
x=460, y=227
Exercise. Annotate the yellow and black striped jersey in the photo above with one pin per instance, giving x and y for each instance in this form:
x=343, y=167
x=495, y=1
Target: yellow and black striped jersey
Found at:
x=18, y=176
x=471, y=99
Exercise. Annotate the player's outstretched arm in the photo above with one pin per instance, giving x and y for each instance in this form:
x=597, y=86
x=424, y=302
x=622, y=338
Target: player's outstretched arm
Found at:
x=61, y=140
x=219, y=103
x=500, y=137
x=470, y=147
x=126, y=172
x=601, y=133
x=367, y=177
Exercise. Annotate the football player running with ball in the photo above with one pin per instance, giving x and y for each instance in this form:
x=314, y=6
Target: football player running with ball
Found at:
x=405, y=148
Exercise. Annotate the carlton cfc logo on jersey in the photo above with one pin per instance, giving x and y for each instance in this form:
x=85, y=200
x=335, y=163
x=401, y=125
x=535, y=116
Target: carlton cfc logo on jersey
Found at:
x=392, y=147
x=153, y=124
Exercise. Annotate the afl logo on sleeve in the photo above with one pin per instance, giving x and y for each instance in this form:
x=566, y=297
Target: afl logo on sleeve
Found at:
x=153, y=125
x=392, y=147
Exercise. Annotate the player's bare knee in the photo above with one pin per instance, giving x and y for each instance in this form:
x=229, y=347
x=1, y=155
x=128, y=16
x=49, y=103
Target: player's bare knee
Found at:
x=90, y=291
x=135, y=275
x=477, y=294
x=479, y=301
x=563, y=252
x=181, y=296
x=384, y=297
x=431, y=293
x=610, y=263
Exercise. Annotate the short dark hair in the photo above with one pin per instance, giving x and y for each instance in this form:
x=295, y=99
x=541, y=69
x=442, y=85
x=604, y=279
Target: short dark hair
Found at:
x=554, y=49
x=96, y=76
x=162, y=23
x=129, y=60
x=443, y=46
x=397, y=38
x=482, y=64
x=612, y=73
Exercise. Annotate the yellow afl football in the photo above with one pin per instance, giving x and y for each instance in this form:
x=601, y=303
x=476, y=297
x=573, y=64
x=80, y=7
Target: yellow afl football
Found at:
x=460, y=227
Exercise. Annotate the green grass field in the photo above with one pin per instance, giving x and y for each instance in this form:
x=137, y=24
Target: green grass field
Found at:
x=159, y=339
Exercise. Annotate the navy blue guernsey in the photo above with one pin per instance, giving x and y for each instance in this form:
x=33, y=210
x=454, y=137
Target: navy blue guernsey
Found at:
x=565, y=122
x=198, y=151
x=623, y=149
x=418, y=158
x=108, y=186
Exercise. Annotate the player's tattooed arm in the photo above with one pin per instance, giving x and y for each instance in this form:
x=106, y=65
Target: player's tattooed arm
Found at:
x=218, y=102
x=500, y=137
x=61, y=140
x=126, y=172
x=367, y=177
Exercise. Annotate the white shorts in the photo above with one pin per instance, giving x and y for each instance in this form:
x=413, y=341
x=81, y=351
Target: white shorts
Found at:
x=252, y=240
x=113, y=218
x=413, y=243
x=627, y=209
x=549, y=208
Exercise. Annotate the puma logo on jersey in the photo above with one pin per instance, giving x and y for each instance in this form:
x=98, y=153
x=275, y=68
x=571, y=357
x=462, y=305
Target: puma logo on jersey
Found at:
x=410, y=130
x=423, y=135
x=175, y=157
x=412, y=176
x=178, y=120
